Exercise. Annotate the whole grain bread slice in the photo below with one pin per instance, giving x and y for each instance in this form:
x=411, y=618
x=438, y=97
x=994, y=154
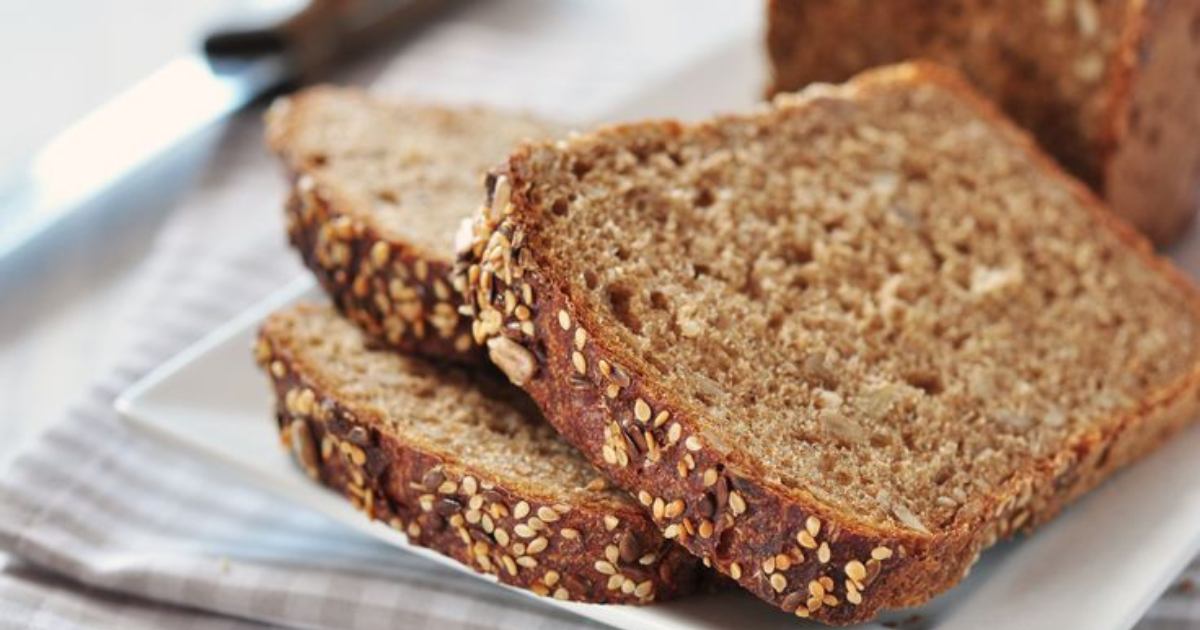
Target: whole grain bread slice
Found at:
x=462, y=463
x=838, y=346
x=378, y=192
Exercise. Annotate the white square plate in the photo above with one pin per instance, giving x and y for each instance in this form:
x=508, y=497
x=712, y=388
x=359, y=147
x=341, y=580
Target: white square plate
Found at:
x=1099, y=566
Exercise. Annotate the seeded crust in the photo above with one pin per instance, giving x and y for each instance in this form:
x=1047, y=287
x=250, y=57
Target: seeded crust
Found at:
x=800, y=552
x=1109, y=87
x=378, y=190
x=550, y=534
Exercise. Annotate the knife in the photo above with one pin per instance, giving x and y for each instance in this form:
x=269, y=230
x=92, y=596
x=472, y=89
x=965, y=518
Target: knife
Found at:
x=272, y=45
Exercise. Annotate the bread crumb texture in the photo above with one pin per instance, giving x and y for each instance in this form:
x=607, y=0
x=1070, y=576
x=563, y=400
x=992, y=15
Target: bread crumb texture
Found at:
x=882, y=299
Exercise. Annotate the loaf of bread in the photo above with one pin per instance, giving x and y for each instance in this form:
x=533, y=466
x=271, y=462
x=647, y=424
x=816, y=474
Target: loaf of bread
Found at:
x=839, y=346
x=1111, y=88
x=378, y=192
x=463, y=464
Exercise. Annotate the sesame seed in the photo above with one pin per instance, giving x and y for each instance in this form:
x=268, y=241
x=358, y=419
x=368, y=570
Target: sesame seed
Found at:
x=380, y=252
x=537, y=545
x=768, y=565
x=813, y=525
x=569, y=533
x=547, y=514
x=501, y=537
x=881, y=553
x=674, y=508
x=782, y=561
x=706, y=528
x=579, y=362
x=710, y=477
x=609, y=455
x=692, y=443
x=414, y=530
x=645, y=498
x=473, y=516
x=517, y=548
x=540, y=590
x=581, y=337
x=671, y=531
x=816, y=589
x=641, y=410
x=611, y=390
x=605, y=567
x=488, y=525
x=647, y=559
x=448, y=487
x=856, y=571
x=737, y=505
x=551, y=578
x=823, y=553
x=674, y=433
x=476, y=501
x=854, y=597
x=627, y=586
x=615, y=582
x=611, y=553
x=611, y=522
x=806, y=539
x=520, y=510
x=778, y=582
x=421, y=269
x=527, y=562
x=659, y=508
x=510, y=565
x=561, y=593
x=644, y=588
x=564, y=320
x=524, y=531
x=469, y=486
x=735, y=571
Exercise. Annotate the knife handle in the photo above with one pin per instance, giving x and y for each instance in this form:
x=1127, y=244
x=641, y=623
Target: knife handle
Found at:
x=311, y=35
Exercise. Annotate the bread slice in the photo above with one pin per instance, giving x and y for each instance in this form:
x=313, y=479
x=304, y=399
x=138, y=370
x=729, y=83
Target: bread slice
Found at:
x=840, y=345
x=1111, y=88
x=378, y=192
x=463, y=464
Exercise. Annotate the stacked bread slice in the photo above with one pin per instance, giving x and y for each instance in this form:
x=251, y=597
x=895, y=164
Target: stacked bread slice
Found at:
x=834, y=348
x=460, y=461
x=378, y=192
x=839, y=346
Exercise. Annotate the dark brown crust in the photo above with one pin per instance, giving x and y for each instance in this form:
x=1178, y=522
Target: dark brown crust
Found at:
x=397, y=293
x=597, y=409
x=478, y=523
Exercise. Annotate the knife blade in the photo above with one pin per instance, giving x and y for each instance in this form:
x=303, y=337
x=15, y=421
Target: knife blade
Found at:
x=264, y=51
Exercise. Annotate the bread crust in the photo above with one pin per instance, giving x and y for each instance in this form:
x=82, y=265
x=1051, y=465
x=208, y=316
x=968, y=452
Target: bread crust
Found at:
x=444, y=504
x=782, y=544
x=398, y=293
